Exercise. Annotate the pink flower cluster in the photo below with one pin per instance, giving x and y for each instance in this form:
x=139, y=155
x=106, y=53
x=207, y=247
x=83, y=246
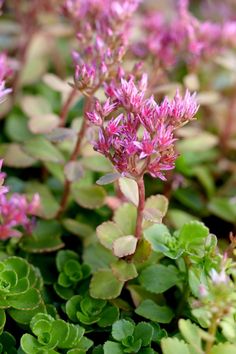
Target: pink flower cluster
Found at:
x=102, y=27
x=139, y=137
x=15, y=212
x=184, y=37
x=5, y=71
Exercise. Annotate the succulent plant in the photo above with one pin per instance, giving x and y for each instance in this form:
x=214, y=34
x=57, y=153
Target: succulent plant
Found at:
x=20, y=290
x=71, y=273
x=90, y=311
x=52, y=334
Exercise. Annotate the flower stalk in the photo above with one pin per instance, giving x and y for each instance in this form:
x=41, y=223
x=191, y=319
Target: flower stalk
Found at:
x=140, y=209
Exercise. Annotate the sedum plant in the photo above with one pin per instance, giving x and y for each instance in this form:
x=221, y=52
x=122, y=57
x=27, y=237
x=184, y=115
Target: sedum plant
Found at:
x=130, y=338
x=72, y=274
x=21, y=288
x=52, y=334
x=88, y=311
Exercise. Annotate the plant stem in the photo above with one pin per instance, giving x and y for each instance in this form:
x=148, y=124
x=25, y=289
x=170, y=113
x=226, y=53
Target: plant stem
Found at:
x=141, y=204
x=73, y=157
x=227, y=131
x=66, y=107
x=212, y=332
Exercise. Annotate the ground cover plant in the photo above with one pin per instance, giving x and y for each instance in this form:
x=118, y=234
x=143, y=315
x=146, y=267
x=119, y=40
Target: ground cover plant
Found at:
x=117, y=177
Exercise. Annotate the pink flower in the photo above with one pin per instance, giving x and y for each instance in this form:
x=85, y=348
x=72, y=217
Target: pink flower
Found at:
x=5, y=71
x=15, y=212
x=141, y=139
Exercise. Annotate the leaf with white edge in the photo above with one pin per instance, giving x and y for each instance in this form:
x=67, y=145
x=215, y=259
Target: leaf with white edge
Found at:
x=156, y=313
x=35, y=105
x=107, y=233
x=124, y=246
x=109, y=178
x=41, y=149
x=159, y=202
x=156, y=208
x=61, y=134
x=174, y=346
x=97, y=163
x=90, y=197
x=129, y=188
x=125, y=216
x=123, y=270
x=122, y=329
x=42, y=124
x=192, y=334
x=158, y=278
x=15, y=157
x=73, y=171
x=104, y=285
x=55, y=83
x=152, y=215
x=223, y=348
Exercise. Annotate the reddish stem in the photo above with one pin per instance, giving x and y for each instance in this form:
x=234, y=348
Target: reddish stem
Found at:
x=226, y=134
x=141, y=204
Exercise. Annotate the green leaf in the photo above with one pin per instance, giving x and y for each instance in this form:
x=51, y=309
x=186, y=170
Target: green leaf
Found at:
x=107, y=233
x=224, y=208
x=157, y=236
x=191, y=334
x=200, y=142
x=223, y=348
x=43, y=123
x=125, y=217
x=77, y=228
x=98, y=257
x=177, y=218
x=143, y=251
x=29, y=300
x=16, y=127
x=73, y=171
x=41, y=149
x=158, y=278
x=124, y=246
x=129, y=188
x=174, y=346
x=63, y=257
x=15, y=157
x=45, y=238
x=156, y=208
x=193, y=233
x=2, y=320
x=90, y=197
x=124, y=271
x=108, y=178
x=144, y=331
x=205, y=178
x=24, y=317
x=122, y=329
x=104, y=285
x=151, y=311
x=112, y=347
x=109, y=316
x=61, y=134
x=97, y=163
x=29, y=344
